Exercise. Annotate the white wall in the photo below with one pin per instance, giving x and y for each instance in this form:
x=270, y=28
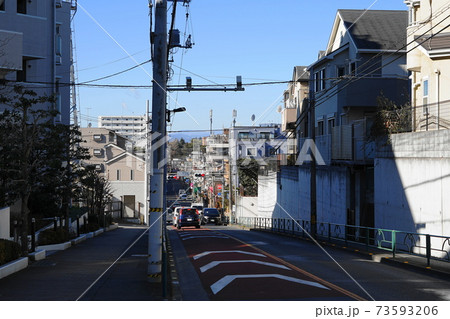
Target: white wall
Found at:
x=4, y=223
x=412, y=189
x=137, y=189
x=246, y=207
x=267, y=194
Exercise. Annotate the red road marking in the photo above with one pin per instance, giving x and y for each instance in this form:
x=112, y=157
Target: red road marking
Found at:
x=234, y=279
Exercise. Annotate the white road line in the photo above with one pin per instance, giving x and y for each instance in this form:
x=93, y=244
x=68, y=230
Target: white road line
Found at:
x=226, y=252
x=224, y=281
x=212, y=236
x=218, y=262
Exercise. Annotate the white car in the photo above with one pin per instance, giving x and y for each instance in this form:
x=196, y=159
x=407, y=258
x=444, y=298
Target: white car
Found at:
x=175, y=214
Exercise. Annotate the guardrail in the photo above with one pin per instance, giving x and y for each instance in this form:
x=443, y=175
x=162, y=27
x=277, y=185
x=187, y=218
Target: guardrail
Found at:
x=395, y=241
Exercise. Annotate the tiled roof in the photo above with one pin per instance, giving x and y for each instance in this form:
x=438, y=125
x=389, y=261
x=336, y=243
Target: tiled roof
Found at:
x=376, y=29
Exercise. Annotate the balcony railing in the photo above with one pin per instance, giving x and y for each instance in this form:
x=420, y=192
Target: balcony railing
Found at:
x=345, y=143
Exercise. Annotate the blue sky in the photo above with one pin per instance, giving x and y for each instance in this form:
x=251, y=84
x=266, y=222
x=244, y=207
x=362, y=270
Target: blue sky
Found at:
x=261, y=40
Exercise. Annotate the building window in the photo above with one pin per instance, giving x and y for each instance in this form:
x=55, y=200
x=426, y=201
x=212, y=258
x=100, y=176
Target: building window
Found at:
x=118, y=175
x=331, y=124
x=320, y=128
x=425, y=97
x=22, y=6
x=2, y=5
x=340, y=71
x=58, y=41
x=353, y=68
x=131, y=175
x=319, y=80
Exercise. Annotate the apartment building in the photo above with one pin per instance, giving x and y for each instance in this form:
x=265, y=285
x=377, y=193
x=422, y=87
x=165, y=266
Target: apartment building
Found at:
x=35, y=45
x=131, y=127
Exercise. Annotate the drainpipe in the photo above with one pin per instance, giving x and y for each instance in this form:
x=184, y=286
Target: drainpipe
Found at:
x=438, y=73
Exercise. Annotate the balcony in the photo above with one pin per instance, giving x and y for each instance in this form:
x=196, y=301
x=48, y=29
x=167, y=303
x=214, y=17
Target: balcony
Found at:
x=11, y=51
x=289, y=118
x=345, y=143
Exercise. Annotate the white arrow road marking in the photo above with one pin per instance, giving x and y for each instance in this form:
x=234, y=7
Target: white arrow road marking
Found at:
x=223, y=282
x=226, y=252
x=212, y=236
x=215, y=263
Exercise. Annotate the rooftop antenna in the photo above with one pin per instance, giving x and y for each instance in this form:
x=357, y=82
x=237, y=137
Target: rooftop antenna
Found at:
x=253, y=119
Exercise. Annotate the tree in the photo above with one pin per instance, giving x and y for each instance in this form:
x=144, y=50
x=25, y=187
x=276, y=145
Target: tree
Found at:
x=96, y=191
x=24, y=128
x=390, y=119
x=248, y=176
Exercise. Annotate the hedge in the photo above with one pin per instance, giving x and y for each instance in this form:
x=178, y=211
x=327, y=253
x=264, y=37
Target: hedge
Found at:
x=9, y=251
x=51, y=236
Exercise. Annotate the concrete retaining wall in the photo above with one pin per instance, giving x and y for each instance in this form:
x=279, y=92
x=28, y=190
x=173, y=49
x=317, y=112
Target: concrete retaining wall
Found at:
x=412, y=183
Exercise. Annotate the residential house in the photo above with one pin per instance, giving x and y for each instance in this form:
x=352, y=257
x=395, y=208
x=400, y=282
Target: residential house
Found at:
x=124, y=170
x=412, y=172
x=295, y=103
x=364, y=59
x=43, y=65
x=429, y=63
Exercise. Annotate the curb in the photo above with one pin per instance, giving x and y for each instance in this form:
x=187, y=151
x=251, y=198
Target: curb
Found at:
x=13, y=267
x=175, y=291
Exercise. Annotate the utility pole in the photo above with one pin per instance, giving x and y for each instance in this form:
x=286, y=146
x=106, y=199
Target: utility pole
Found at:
x=158, y=135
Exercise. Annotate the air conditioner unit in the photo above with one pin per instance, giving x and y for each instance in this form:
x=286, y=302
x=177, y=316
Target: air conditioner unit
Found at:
x=98, y=167
x=58, y=3
x=98, y=152
x=58, y=59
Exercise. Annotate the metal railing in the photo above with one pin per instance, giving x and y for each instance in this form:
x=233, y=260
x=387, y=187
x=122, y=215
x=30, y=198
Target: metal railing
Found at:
x=395, y=241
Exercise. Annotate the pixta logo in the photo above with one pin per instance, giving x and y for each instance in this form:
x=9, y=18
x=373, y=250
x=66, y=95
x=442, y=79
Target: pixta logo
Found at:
x=158, y=147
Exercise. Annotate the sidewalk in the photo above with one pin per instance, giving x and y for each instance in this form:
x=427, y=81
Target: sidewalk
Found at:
x=66, y=275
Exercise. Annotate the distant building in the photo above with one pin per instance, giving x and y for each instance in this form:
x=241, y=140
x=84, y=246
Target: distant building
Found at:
x=35, y=48
x=131, y=127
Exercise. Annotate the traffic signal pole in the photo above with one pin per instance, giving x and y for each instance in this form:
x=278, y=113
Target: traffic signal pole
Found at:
x=157, y=136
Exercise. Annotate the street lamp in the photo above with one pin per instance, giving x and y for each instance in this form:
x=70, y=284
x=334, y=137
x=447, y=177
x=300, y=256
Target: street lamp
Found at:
x=177, y=110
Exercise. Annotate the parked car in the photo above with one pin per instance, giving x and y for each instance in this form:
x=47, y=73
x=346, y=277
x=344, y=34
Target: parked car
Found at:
x=211, y=215
x=183, y=196
x=186, y=216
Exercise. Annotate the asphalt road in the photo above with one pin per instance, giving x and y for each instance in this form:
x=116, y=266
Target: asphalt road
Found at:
x=236, y=264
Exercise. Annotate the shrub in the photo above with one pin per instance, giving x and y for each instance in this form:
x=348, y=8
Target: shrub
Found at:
x=51, y=236
x=89, y=228
x=9, y=251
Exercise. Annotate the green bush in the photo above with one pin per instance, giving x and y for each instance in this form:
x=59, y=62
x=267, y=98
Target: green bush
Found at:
x=9, y=251
x=91, y=227
x=51, y=236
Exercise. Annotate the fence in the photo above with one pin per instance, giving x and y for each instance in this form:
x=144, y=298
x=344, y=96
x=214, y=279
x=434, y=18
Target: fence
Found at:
x=394, y=241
